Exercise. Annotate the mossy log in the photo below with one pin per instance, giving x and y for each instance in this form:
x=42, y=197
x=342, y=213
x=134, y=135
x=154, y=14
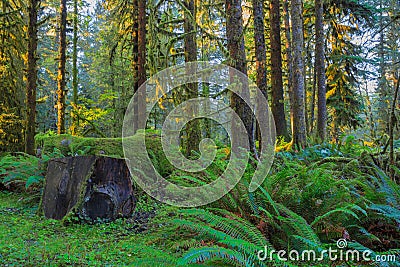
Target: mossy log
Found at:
x=88, y=188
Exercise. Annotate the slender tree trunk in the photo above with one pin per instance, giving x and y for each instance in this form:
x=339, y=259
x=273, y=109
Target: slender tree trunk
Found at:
x=299, y=124
x=259, y=41
x=320, y=69
x=61, y=90
x=234, y=33
x=278, y=107
x=75, y=118
x=142, y=20
x=192, y=127
x=392, y=124
x=288, y=47
x=134, y=63
x=31, y=77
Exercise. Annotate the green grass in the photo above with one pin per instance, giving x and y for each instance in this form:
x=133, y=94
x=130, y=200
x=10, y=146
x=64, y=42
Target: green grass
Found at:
x=30, y=240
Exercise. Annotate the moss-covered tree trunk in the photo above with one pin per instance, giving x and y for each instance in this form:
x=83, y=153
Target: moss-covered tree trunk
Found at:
x=31, y=77
x=61, y=90
x=89, y=187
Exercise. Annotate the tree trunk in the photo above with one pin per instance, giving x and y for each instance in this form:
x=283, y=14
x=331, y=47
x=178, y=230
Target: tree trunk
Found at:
x=89, y=187
x=141, y=61
x=31, y=77
x=61, y=90
x=75, y=118
x=135, y=64
x=320, y=69
x=278, y=107
x=234, y=34
x=299, y=124
x=192, y=127
x=288, y=47
x=259, y=41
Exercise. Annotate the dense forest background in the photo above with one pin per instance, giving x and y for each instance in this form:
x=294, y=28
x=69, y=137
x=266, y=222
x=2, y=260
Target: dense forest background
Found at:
x=328, y=68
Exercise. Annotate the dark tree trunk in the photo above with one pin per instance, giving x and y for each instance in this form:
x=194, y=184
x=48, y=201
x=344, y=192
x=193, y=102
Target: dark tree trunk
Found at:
x=278, y=107
x=141, y=60
x=61, y=90
x=31, y=77
x=135, y=64
x=192, y=127
x=89, y=187
x=234, y=34
x=320, y=69
x=259, y=41
x=75, y=118
x=299, y=123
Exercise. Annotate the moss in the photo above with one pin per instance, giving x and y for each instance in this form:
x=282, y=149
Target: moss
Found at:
x=69, y=145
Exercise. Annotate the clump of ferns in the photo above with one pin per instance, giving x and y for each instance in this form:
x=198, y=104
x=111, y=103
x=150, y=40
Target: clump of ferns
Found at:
x=227, y=239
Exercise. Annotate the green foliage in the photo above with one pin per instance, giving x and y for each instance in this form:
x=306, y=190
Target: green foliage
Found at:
x=21, y=171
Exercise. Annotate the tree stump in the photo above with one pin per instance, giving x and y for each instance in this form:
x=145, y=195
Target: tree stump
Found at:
x=90, y=187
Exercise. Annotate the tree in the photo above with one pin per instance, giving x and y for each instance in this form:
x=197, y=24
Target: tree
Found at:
x=192, y=127
x=31, y=77
x=299, y=123
x=61, y=80
x=75, y=118
x=237, y=54
x=278, y=107
x=320, y=68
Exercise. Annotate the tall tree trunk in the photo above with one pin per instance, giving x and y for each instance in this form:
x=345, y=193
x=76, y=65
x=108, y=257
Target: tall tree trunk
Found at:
x=31, y=77
x=392, y=124
x=259, y=41
x=234, y=34
x=61, y=90
x=299, y=137
x=192, y=127
x=135, y=64
x=320, y=69
x=141, y=60
x=278, y=107
x=288, y=47
x=75, y=118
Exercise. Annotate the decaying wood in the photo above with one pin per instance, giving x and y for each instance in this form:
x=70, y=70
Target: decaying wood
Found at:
x=89, y=187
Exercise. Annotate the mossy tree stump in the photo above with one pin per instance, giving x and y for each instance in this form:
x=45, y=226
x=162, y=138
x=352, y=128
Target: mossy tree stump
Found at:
x=90, y=187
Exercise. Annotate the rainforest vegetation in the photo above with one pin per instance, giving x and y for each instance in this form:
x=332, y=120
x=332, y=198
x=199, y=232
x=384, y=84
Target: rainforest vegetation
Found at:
x=329, y=70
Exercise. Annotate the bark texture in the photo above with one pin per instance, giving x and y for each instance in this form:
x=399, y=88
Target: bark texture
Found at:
x=320, y=69
x=89, y=187
x=31, y=77
x=278, y=107
x=299, y=121
x=192, y=127
x=61, y=90
x=234, y=34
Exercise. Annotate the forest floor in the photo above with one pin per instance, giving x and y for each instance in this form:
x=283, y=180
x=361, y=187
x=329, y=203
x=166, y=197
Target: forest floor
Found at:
x=31, y=240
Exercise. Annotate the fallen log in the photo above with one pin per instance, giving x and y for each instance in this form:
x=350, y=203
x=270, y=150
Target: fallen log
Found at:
x=88, y=188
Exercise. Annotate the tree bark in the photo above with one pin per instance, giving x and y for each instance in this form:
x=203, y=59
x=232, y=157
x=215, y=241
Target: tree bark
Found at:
x=278, y=107
x=31, y=77
x=141, y=60
x=234, y=34
x=288, y=47
x=75, y=119
x=320, y=69
x=89, y=187
x=61, y=90
x=192, y=127
x=299, y=137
